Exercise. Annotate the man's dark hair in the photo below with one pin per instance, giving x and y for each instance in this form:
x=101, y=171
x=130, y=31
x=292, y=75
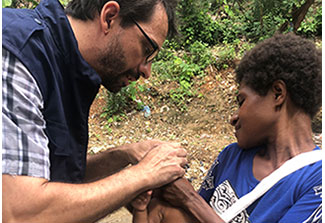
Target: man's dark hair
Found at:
x=289, y=58
x=139, y=10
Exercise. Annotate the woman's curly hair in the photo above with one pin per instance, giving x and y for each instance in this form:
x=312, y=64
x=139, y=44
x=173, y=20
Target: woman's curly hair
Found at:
x=290, y=58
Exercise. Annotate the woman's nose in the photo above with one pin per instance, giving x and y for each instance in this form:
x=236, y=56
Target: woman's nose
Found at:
x=145, y=70
x=234, y=119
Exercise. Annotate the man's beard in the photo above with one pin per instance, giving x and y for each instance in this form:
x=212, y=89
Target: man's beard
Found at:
x=111, y=66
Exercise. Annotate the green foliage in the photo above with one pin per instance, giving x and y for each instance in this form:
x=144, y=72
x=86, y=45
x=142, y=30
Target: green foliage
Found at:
x=226, y=54
x=200, y=54
x=186, y=72
x=312, y=25
x=199, y=22
x=181, y=66
x=225, y=21
x=64, y=2
x=196, y=22
x=6, y=3
x=25, y=3
x=118, y=104
x=179, y=71
x=20, y=3
x=230, y=52
x=218, y=32
x=262, y=18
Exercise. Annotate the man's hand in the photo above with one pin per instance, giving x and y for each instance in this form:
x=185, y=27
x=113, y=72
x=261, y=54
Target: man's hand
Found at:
x=136, y=151
x=113, y=160
x=163, y=164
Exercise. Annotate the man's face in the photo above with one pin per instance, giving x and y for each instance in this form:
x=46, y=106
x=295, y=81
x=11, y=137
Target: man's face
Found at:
x=125, y=56
x=113, y=66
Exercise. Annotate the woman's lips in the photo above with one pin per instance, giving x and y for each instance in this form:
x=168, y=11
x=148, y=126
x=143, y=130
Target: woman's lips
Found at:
x=237, y=127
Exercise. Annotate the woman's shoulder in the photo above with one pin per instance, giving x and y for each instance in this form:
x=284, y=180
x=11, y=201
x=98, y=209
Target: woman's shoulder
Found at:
x=306, y=179
x=230, y=150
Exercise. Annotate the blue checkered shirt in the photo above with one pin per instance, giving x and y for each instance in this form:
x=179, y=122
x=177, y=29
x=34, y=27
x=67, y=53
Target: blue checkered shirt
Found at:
x=24, y=143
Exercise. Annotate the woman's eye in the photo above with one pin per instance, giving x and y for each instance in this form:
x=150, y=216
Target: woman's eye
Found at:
x=240, y=102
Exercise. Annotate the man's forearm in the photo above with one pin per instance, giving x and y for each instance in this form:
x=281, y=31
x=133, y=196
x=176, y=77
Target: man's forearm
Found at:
x=62, y=202
x=32, y=199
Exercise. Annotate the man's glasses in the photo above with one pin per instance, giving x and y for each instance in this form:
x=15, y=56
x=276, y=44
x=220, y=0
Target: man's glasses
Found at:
x=155, y=47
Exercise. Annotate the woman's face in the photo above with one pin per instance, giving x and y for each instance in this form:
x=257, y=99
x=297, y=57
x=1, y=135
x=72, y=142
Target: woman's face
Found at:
x=255, y=119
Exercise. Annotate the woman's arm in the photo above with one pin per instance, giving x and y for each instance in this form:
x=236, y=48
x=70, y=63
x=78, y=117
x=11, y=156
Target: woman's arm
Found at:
x=307, y=209
x=181, y=193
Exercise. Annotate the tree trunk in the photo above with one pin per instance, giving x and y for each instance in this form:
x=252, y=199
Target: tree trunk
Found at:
x=297, y=15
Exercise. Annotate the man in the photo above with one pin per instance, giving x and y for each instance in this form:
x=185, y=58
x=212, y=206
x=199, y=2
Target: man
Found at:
x=53, y=64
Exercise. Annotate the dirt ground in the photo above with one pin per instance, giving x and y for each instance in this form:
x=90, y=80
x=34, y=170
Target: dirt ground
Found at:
x=203, y=129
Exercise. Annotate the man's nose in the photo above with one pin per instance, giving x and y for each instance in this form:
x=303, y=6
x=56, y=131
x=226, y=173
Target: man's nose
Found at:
x=234, y=119
x=145, y=70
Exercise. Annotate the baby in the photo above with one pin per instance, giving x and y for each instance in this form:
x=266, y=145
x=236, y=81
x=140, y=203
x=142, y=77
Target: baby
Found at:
x=153, y=210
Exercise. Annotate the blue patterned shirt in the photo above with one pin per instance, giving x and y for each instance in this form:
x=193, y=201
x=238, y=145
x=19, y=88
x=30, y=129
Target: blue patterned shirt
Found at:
x=295, y=198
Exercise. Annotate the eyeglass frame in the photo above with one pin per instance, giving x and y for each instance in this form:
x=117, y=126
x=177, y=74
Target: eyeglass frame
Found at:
x=153, y=44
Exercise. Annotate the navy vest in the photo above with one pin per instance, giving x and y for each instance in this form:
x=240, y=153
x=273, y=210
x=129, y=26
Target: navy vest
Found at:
x=42, y=39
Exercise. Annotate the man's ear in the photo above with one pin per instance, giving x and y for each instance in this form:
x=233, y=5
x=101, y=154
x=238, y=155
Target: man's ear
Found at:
x=109, y=12
x=279, y=90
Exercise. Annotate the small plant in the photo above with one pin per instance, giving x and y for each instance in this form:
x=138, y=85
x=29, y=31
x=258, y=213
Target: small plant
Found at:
x=125, y=100
x=200, y=54
x=227, y=54
x=6, y=3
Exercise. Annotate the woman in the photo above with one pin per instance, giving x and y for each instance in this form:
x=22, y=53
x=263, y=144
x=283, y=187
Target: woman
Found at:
x=279, y=94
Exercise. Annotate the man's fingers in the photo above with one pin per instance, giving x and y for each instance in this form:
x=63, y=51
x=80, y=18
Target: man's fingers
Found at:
x=164, y=164
x=184, y=163
x=175, y=144
x=181, y=173
x=181, y=153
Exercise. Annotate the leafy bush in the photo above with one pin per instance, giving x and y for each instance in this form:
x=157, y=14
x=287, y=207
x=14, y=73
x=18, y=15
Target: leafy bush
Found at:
x=312, y=25
x=125, y=100
x=263, y=18
x=200, y=54
x=181, y=66
x=196, y=23
x=181, y=72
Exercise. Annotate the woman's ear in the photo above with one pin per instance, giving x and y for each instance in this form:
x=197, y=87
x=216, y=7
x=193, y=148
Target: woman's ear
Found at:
x=109, y=13
x=279, y=90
